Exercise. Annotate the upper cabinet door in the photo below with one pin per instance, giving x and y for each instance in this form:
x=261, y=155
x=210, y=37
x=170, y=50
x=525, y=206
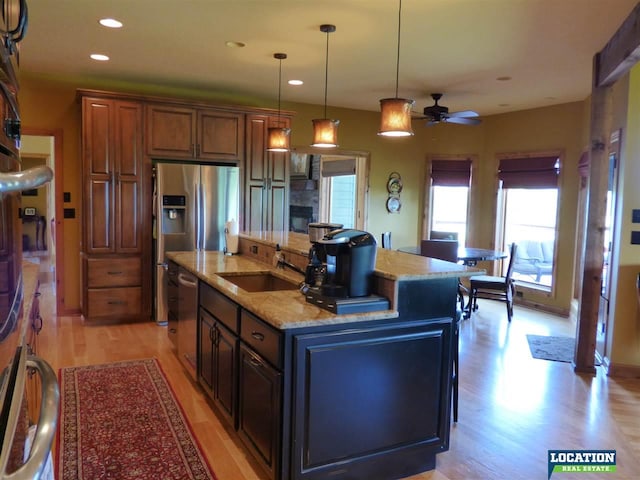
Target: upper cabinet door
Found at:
x=220, y=136
x=190, y=133
x=171, y=132
x=98, y=164
x=113, y=162
x=129, y=164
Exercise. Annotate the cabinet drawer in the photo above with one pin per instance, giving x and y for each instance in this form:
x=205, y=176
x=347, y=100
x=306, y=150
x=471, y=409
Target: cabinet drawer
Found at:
x=114, y=301
x=113, y=272
x=225, y=310
x=264, y=339
x=4, y=276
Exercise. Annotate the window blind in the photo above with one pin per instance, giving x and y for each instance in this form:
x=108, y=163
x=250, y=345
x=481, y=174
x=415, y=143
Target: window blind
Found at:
x=533, y=172
x=451, y=173
x=336, y=168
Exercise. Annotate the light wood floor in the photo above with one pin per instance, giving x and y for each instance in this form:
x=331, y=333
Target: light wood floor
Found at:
x=513, y=408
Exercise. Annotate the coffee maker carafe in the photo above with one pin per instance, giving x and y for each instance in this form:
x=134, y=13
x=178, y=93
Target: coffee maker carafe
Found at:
x=344, y=262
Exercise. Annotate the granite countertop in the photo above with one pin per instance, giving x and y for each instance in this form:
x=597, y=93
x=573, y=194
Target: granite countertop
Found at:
x=283, y=309
x=390, y=264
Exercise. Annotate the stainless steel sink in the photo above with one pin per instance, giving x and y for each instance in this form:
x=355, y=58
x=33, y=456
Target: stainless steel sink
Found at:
x=259, y=282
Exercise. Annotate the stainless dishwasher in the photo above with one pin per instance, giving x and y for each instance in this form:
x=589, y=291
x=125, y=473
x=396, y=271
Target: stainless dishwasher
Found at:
x=187, y=320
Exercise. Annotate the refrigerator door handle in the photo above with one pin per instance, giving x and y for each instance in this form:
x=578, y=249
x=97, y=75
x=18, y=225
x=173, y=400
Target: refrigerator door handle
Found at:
x=198, y=210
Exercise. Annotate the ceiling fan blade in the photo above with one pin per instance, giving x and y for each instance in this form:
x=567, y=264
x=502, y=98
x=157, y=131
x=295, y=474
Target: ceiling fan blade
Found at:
x=464, y=121
x=464, y=113
x=431, y=123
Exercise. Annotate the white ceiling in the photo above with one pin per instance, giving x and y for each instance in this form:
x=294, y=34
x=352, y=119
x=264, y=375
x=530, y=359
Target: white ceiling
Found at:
x=458, y=47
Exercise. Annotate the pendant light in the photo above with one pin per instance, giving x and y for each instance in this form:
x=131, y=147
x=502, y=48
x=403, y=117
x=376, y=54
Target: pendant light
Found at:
x=278, y=137
x=395, y=120
x=325, y=130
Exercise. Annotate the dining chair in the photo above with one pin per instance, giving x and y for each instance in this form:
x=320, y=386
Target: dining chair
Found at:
x=495, y=288
x=386, y=239
x=440, y=235
x=448, y=250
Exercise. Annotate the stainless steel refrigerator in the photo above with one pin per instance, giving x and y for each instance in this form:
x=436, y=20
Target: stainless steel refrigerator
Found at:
x=192, y=203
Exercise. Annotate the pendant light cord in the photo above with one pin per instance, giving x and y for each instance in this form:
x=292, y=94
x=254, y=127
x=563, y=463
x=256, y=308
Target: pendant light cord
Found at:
x=326, y=75
x=279, y=88
x=398, y=55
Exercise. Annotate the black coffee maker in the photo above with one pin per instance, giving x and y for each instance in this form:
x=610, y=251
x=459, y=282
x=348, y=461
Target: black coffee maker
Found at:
x=341, y=264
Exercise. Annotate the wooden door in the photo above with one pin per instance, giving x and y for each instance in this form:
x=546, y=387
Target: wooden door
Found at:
x=256, y=173
x=278, y=184
x=99, y=174
x=259, y=408
x=220, y=135
x=170, y=132
x=128, y=184
x=225, y=371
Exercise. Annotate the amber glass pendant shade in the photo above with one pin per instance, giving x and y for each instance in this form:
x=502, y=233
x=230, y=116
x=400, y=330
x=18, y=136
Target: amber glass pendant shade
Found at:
x=278, y=139
x=395, y=119
x=325, y=133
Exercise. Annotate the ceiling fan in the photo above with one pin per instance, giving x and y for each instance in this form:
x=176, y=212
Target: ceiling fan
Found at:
x=440, y=114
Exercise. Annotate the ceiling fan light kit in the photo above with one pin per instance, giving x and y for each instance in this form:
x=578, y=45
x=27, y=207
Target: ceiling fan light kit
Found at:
x=325, y=130
x=395, y=117
x=278, y=138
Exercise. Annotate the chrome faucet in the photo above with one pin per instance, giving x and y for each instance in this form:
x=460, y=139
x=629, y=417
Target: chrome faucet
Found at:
x=280, y=262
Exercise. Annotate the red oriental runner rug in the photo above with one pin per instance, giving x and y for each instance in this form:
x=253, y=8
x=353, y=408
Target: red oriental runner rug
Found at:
x=122, y=421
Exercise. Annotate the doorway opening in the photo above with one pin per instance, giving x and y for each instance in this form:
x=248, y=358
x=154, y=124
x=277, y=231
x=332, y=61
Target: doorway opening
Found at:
x=42, y=213
x=332, y=187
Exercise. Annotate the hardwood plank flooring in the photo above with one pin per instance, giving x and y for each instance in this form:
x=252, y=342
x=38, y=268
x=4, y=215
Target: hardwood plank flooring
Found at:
x=513, y=408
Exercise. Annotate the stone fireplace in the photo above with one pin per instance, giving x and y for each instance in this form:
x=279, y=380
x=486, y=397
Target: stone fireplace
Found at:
x=299, y=218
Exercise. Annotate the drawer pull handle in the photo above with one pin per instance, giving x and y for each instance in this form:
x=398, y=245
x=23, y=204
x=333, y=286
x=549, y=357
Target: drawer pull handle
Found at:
x=114, y=273
x=116, y=302
x=257, y=335
x=172, y=330
x=255, y=362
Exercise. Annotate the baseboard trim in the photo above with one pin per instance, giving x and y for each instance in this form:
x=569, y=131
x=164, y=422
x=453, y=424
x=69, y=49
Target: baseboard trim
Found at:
x=622, y=371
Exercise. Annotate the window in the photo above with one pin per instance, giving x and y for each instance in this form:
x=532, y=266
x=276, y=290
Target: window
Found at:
x=450, y=196
x=342, y=190
x=528, y=214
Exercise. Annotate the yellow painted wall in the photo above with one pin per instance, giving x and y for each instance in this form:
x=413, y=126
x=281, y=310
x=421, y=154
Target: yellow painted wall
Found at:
x=50, y=104
x=624, y=328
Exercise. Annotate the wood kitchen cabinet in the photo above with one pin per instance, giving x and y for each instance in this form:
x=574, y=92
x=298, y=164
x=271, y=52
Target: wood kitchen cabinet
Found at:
x=259, y=408
x=176, y=132
x=266, y=204
x=218, y=350
x=114, y=248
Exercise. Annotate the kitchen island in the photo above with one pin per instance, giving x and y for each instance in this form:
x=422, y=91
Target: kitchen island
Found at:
x=313, y=394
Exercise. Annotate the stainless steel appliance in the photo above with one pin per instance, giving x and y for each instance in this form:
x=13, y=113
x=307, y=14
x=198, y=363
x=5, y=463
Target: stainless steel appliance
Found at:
x=187, y=320
x=192, y=204
x=15, y=358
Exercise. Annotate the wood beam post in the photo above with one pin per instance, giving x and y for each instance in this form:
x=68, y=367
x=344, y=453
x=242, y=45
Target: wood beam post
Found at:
x=593, y=249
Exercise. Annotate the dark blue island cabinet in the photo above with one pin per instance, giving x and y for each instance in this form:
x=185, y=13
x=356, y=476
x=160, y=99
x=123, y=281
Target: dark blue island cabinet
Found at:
x=356, y=400
x=374, y=401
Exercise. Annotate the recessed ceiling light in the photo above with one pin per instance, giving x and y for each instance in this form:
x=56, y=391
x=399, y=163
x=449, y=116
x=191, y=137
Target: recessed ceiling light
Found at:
x=233, y=44
x=295, y=82
x=503, y=79
x=110, y=23
x=99, y=57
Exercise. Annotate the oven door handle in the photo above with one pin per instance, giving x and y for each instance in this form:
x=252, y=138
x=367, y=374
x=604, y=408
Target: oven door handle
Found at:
x=47, y=421
x=25, y=180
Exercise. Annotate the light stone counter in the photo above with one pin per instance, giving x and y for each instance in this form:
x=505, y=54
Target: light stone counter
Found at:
x=282, y=309
x=390, y=264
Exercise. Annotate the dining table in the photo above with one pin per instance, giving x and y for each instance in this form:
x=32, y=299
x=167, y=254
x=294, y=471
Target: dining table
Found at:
x=469, y=256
